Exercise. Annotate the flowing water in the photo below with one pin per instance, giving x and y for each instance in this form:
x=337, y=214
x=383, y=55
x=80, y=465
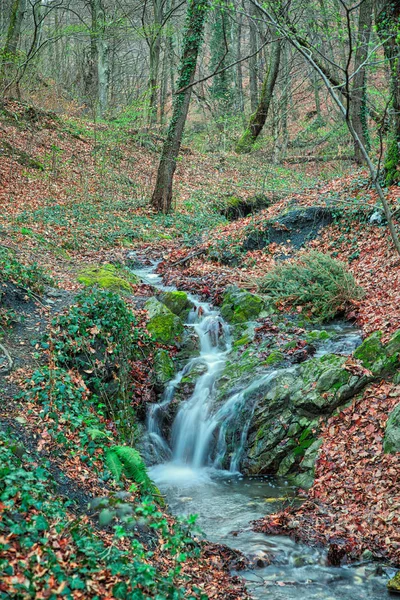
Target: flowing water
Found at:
x=189, y=473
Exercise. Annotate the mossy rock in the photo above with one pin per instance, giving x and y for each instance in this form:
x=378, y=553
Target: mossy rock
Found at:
x=240, y=306
x=177, y=302
x=108, y=277
x=164, y=326
x=163, y=366
x=317, y=335
x=393, y=584
x=376, y=357
x=274, y=358
x=391, y=442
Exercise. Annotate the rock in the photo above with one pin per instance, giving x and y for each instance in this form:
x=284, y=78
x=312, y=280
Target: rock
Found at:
x=376, y=357
x=288, y=406
x=108, y=277
x=293, y=228
x=163, y=367
x=177, y=302
x=164, y=326
x=240, y=306
x=376, y=218
x=391, y=441
x=393, y=584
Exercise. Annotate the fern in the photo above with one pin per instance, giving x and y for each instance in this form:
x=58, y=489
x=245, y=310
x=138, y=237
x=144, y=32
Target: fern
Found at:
x=134, y=467
x=113, y=463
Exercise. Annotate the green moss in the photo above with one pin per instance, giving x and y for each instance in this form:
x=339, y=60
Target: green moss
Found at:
x=274, y=358
x=242, y=341
x=317, y=335
x=392, y=162
x=177, y=302
x=163, y=366
x=164, y=326
x=370, y=350
x=394, y=583
x=108, y=277
x=240, y=306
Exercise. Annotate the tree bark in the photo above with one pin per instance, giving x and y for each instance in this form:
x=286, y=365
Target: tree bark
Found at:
x=193, y=38
x=387, y=20
x=358, y=104
x=258, y=119
x=253, y=76
x=9, y=52
x=239, y=71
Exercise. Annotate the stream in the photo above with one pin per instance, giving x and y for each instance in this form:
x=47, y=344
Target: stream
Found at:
x=189, y=473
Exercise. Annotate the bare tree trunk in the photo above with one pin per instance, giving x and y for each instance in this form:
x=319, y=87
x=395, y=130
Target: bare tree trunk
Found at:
x=358, y=105
x=253, y=63
x=193, y=39
x=239, y=72
x=154, y=58
x=387, y=19
x=7, y=70
x=257, y=120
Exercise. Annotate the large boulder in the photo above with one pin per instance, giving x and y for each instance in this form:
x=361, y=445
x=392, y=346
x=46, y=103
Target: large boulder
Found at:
x=240, y=306
x=164, y=326
x=177, y=302
x=376, y=357
x=391, y=442
x=108, y=277
x=291, y=405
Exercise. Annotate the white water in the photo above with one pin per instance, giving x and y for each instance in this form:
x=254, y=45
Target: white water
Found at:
x=189, y=473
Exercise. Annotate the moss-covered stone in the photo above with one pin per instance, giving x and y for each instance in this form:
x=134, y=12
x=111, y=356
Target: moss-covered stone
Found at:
x=371, y=352
x=376, y=357
x=274, y=358
x=240, y=306
x=317, y=336
x=177, y=302
x=391, y=442
x=164, y=326
x=108, y=277
x=163, y=367
x=393, y=584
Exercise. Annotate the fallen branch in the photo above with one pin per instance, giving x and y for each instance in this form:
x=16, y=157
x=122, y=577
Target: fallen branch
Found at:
x=294, y=160
x=189, y=257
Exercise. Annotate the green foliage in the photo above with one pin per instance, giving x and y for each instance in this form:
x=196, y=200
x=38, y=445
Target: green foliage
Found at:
x=100, y=325
x=392, y=163
x=34, y=516
x=317, y=282
x=125, y=460
x=32, y=277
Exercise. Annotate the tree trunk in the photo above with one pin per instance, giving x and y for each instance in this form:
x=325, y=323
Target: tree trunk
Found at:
x=192, y=41
x=358, y=103
x=253, y=63
x=97, y=80
x=9, y=53
x=239, y=72
x=154, y=58
x=258, y=119
x=387, y=20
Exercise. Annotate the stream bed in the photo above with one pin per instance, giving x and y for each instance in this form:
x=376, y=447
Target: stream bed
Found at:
x=189, y=472
x=226, y=504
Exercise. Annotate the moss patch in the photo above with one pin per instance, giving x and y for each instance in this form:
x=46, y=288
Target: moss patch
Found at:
x=177, y=302
x=108, y=277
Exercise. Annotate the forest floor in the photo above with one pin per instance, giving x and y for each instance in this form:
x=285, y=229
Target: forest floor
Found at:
x=74, y=194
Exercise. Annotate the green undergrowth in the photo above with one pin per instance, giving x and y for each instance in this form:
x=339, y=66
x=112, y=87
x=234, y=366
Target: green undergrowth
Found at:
x=319, y=284
x=98, y=336
x=38, y=529
x=31, y=276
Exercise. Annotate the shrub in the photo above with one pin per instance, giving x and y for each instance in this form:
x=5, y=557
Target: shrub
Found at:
x=98, y=336
x=32, y=277
x=317, y=282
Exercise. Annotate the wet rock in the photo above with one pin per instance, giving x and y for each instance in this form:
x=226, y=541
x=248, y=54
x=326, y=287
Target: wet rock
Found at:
x=240, y=306
x=177, y=302
x=391, y=442
x=164, y=368
x=165, y=327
